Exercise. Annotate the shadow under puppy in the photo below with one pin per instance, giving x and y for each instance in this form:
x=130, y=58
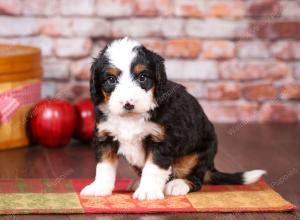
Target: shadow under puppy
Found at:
x=154, y=123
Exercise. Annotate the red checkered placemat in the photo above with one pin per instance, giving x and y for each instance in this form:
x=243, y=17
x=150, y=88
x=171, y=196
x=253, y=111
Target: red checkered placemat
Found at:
x=31, y=196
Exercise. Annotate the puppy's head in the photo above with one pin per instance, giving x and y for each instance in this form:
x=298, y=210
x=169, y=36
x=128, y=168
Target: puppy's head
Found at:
x=127, y=78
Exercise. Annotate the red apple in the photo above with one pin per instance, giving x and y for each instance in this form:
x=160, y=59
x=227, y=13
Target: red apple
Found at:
x=85, y=120
x=53, y=122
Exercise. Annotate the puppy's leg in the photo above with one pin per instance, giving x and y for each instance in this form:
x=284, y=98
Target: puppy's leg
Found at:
x=153, y=181
x=205, y=163
x=104, y=182
x=182, y=168
x=105, y=172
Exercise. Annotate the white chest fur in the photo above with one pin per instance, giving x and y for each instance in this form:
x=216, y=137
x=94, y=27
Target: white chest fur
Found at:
x=130, y=131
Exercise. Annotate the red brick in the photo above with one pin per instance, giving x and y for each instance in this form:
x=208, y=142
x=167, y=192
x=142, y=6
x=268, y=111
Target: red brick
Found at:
x=291, y=92
x=251, y=70
x=277, y=112
x=230, y=112
x=184, y=48
x=286, y=50
x=156, y=45
x=253, y=49
x=259, y=92
x=218, y=49
x=270, y=8
x=40, y=7
x=153, y=7
x=12, y=7
x=192, y=8
x=260, y=29
x=275, y=29
x=73, y=47
x=222, y=91
x=228, y=8
x=80, y=69
x=77, y=7
x=286, y=29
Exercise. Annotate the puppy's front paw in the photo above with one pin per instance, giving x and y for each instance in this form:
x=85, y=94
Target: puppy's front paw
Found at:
x=148, y=193
x=96, y=189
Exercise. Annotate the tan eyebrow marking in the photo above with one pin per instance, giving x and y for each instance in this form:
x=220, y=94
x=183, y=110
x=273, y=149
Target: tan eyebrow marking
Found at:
x=139, y=68
x=113, y=71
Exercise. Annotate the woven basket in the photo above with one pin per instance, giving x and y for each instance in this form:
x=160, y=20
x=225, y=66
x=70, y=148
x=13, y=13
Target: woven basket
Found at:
x=20, y=86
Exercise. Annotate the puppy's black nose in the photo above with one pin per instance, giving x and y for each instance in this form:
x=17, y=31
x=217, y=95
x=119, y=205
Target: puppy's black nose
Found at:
x=128, y=106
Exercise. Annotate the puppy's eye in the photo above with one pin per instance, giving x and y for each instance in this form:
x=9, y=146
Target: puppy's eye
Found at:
x=142, y=78
x=111, y=80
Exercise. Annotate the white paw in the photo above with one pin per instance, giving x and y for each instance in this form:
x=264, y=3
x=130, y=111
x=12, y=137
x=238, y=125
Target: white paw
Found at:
x=176, y=187
x=148, y=193
x=96, y=189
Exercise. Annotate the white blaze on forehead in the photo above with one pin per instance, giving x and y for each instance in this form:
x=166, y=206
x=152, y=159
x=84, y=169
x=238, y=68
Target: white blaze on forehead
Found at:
x=121, y=53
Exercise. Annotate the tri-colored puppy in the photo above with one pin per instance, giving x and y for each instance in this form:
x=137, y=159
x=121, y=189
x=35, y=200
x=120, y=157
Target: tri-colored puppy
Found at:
x=154, y=123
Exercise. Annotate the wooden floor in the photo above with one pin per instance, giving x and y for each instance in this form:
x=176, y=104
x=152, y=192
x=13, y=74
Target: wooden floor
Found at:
x=275, y=148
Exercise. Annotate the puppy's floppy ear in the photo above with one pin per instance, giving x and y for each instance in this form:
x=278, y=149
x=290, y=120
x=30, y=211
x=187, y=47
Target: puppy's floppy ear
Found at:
x=95, y=80
x=95, y=85
x=160, y=75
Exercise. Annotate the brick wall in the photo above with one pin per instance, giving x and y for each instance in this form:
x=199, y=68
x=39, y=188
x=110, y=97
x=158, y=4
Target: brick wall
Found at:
x=240, y=58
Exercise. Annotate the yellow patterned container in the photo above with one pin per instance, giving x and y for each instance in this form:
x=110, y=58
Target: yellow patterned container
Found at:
x=20, y=88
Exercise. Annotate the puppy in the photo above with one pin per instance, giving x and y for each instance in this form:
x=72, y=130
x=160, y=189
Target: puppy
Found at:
x=154, y=123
